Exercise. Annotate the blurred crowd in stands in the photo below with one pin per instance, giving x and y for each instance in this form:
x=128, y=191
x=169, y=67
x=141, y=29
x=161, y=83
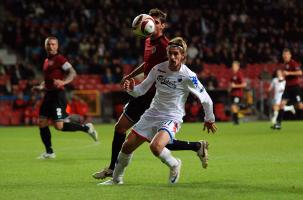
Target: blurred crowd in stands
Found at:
x=96, y=35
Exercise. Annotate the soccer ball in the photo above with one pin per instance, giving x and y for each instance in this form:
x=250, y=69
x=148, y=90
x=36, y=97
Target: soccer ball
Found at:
x=143, y=25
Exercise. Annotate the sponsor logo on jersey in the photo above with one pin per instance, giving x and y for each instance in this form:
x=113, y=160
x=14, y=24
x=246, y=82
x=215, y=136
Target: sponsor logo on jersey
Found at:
x=167, y=82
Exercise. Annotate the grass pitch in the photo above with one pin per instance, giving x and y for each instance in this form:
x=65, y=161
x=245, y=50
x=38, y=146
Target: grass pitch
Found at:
x=248, y=161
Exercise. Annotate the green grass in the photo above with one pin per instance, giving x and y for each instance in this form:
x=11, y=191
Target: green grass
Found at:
x=249, y=161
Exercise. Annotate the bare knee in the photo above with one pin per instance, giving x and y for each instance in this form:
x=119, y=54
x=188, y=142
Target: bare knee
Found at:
x=58, y=126
x=155, y=148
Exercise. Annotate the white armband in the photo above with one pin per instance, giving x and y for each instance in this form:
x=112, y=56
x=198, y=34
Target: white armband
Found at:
x=66, y=66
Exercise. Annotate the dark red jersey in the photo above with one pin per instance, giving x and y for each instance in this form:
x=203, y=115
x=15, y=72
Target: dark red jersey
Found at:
x=237, y=78
x=293, y=79
x=53, y=69
x=154, y=52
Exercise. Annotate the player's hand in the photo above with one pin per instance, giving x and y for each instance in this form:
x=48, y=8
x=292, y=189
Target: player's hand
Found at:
x=285, y=73
x=58, y=83
x=210, y=126
x=129, y=85
x=123, y=80
x=37, y=88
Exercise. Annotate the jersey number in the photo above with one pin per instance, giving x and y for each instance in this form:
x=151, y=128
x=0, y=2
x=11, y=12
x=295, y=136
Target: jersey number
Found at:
x=59, y=112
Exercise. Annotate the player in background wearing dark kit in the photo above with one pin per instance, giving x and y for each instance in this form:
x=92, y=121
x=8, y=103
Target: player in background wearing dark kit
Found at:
x=57, y=73
x=154, y=53
x=292, y=73
x=237, y=84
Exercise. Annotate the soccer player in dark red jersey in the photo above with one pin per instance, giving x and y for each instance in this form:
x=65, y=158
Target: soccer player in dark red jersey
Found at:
x=154, y=53
x=237, y=84
x=57, y=73
x=292, y=93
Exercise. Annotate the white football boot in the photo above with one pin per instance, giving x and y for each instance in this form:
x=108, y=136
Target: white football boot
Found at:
x=110, y=182
x=92, y=131
x=174, y=174
x=47, y=156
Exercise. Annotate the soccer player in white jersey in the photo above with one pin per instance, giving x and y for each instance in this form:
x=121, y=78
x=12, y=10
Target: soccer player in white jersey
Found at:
x=278, y=86
x=159, y=124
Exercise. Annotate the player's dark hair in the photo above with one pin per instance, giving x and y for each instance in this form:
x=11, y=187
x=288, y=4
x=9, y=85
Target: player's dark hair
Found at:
x=155, y=12
x=286, y=50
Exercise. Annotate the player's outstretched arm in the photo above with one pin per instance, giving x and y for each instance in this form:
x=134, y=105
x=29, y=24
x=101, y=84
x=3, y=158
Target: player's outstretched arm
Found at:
x=134, y=73
x=143, y=87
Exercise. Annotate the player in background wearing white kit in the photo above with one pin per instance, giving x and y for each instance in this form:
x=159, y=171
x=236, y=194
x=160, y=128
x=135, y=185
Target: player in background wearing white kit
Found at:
x=277, y=86
x=159, y=124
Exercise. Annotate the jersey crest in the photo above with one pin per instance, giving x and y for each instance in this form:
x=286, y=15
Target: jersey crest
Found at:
x=194, y=80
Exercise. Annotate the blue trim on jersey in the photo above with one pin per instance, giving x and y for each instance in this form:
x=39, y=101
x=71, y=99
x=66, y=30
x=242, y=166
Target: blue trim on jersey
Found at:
x=169, y=133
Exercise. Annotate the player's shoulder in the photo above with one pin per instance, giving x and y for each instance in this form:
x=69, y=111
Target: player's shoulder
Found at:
x=162, y=66
x=164, y=39
x=186, y=72
x=294, y=63
x=275, y=80
x=58, y=58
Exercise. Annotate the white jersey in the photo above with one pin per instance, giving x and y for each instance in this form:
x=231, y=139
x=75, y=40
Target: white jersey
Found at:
x=173, y=88
x=278, y=87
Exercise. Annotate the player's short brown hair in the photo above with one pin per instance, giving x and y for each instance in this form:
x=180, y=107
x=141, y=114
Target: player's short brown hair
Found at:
x=286, y=50
x=155, y=12
x=51, y=38
x=178, y=42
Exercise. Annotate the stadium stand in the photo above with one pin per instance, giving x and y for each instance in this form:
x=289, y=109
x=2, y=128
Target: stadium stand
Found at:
x=96, y=37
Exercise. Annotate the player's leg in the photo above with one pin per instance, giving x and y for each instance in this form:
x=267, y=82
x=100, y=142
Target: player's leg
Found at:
x=178, y=145
x=59, y=115
x=132, y=113
x=45, y=135
x=121, y=127
x=280, y=115
x=290, y=108
x=157, y=146
x=235, y=110
x=132, y=142
x=275, y=108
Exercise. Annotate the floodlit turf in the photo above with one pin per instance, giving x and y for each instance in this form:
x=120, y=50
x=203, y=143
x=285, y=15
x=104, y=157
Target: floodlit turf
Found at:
x=248, y=161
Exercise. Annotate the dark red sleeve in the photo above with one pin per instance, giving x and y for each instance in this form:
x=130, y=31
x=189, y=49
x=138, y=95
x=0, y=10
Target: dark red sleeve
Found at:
x=61, y=60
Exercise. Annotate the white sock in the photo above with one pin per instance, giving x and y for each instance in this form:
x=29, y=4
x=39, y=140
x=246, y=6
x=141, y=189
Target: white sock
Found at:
x=122, y=162
x=274, y=117
x=289, y=108
x=166, y=157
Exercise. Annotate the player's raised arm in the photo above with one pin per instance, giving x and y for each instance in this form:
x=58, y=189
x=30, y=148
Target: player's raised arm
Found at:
x=134, y=73
x=143, y=87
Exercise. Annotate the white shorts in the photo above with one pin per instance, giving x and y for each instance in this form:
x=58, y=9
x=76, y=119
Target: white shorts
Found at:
x=148, y=127
x=277, y=99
